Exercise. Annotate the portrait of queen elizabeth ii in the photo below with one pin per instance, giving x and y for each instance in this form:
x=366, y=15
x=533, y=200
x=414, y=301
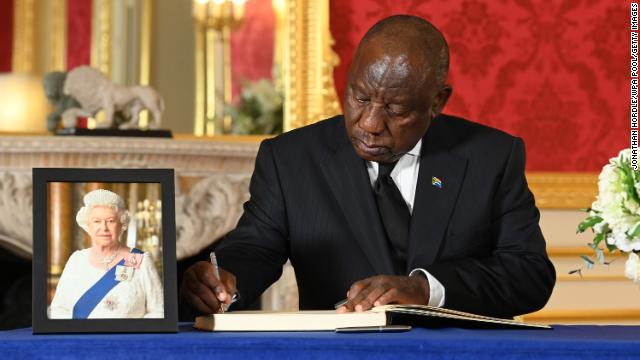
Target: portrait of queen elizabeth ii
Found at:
x=108, y=280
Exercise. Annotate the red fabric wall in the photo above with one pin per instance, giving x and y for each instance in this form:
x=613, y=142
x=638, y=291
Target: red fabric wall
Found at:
x=553, y=72
x=252, y=45
x=78, y=33
x=6, y=34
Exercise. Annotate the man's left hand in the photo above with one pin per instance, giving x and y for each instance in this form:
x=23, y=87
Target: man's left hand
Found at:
x=386, y=289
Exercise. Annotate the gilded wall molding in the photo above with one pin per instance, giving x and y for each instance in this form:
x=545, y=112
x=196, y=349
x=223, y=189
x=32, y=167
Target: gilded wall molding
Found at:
x=145, y=41
x=58, y=37
x=563, y=190
x=24, y=36
x=145, y=50
x=101, y=30
x=308, y=64
x=200, y=71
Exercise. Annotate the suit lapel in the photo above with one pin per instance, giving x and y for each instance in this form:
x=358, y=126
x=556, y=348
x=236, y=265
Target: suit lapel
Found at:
x=347, y=176
x=433, y=205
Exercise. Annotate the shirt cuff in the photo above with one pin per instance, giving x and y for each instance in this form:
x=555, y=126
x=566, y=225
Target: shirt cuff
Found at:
x=436, y=290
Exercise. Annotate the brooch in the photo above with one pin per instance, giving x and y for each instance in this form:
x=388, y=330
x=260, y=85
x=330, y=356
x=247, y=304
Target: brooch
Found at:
x=111, y=303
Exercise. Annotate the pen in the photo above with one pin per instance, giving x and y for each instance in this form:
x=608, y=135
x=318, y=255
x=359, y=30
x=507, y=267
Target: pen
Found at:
x=361, y=329
x=340, y=303
x=216, y=271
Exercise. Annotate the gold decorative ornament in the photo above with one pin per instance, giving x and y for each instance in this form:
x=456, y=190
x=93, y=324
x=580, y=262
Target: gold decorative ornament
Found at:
x=58, y=37
x=563, y=190
x=309, y=89
x=24, y=25
x=215, y=19
x=101, y=35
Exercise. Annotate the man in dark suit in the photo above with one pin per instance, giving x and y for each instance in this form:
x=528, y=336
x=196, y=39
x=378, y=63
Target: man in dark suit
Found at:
x=392, y=203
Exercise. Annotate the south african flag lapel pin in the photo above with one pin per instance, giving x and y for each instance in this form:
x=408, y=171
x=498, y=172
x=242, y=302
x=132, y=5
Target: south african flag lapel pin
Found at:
x=436, y=182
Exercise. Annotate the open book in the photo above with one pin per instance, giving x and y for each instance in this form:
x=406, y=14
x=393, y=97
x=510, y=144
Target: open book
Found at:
x=330, y=320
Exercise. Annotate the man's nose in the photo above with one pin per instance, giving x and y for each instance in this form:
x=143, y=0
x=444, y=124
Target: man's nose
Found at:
x=372, y=120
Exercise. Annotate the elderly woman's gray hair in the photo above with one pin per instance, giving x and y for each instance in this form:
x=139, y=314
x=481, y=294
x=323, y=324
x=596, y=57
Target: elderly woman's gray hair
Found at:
x=101, y=197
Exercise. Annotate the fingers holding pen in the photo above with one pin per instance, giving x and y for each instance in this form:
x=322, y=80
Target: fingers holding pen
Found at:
x=205, y=291
x=198, y=288
x=228, y=286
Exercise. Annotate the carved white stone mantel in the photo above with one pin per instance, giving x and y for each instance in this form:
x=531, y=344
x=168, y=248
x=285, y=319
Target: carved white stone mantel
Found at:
x=189, y=156
x=212, y=179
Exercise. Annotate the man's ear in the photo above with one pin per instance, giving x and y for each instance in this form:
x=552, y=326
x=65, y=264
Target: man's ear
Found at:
x=440, y=100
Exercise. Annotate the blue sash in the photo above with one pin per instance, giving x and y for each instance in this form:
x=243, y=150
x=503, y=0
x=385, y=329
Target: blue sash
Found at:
x=92, y=297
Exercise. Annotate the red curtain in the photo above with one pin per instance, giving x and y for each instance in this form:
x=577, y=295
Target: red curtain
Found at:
x=553, y=72
x=78, y=33
x=6, y=35
x=252, y=45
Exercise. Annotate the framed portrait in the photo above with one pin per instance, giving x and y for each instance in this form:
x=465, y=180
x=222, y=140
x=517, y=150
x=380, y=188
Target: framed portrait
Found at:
x=104, y=256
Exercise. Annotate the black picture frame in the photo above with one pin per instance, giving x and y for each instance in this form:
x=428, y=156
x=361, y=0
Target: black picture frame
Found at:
x=41, y=321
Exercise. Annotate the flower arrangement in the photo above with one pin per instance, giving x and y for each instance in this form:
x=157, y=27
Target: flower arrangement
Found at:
x=260, y=109
x=614, y=216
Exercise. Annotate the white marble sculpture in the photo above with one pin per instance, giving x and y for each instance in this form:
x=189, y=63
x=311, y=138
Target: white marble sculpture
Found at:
x=96, y=92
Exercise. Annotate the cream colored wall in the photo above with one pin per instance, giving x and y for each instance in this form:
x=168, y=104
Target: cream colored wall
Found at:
x=602, y=295
x=172, y=63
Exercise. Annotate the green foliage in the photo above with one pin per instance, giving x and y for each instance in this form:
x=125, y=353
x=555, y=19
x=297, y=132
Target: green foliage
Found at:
x=628, y=177
x=588, y=263
x=260, y=110
x=614, y=217
x=588, y=223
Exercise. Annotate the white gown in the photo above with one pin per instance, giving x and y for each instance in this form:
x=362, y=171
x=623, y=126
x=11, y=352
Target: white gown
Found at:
x=141, y=297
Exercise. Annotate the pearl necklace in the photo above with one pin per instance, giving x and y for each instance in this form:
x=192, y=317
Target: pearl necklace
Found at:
x=108, y=259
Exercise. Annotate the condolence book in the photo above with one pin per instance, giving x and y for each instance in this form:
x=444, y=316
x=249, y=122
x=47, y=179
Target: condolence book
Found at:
x=330, y=320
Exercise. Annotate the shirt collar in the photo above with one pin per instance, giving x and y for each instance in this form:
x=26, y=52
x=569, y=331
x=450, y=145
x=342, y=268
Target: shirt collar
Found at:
x=413, y=153
x=416, y=149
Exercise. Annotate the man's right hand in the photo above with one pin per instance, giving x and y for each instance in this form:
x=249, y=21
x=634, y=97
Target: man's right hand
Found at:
x=203, y=291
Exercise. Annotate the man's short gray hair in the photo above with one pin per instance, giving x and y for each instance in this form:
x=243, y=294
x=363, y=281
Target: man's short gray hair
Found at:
x=102, y=197
x=433, y=43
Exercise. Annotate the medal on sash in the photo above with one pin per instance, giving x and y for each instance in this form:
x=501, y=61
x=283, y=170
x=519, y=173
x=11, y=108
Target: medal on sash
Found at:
x=124, y=273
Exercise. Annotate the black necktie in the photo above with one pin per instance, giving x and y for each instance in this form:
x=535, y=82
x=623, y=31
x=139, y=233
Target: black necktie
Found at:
x=393, y=211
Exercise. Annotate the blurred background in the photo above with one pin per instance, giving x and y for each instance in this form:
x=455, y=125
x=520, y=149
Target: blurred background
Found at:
x=551, y=72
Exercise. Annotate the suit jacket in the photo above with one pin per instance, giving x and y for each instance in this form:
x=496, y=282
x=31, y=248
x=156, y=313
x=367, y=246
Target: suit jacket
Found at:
x=312, y=202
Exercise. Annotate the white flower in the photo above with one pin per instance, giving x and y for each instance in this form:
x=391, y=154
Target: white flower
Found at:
x=599, y=227
x=610, y=192
x=618, y=238
x=632, y=268
x=618, y=207
x=623, y=156
x=616, y=204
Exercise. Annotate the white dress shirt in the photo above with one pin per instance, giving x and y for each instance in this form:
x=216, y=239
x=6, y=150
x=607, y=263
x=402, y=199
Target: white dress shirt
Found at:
x=405, y=175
